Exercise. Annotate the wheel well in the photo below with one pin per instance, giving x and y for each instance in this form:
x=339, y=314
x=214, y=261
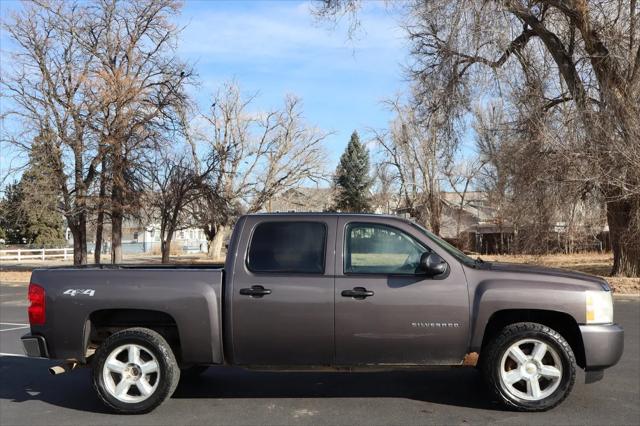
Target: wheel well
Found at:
x=561, y=322
x=101, y=324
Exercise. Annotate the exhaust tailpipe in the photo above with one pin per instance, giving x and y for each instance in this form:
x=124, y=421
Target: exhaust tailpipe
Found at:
x=63, y=368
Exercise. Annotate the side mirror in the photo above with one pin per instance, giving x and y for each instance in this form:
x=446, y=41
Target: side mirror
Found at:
x=432, y=264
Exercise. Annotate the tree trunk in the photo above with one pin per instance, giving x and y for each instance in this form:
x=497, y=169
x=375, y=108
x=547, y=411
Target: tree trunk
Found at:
x=117, y=208
x=99, y=229
x=77, y=250
x=623, y=220
x=79, y=243
x=165, y=248
x=458, y=224
x=100, y=219
x=210, y=247
x=78, y=226
x=215, y=244
x=435, y=225
x=116, y=236
x=434, y=216
x=165, y=242
x=433, y=205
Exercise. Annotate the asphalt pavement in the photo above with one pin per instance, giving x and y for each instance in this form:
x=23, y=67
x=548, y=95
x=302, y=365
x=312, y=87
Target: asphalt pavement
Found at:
x=30, y=396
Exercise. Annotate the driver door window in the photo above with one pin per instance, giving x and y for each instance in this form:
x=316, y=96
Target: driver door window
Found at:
x=380, y=249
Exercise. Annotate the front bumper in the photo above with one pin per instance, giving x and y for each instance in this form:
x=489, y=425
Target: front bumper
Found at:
x=34, y=346
x=603, y=345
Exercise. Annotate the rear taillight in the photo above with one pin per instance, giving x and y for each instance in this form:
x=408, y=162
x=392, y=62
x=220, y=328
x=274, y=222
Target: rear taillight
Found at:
x=37, y=311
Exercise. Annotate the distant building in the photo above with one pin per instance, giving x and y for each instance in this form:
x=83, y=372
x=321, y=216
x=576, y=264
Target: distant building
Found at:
x=476, y=225
x=472, y=224
x=139, y=237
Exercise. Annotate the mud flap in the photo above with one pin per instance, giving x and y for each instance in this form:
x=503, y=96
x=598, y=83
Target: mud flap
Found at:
x=593, y=376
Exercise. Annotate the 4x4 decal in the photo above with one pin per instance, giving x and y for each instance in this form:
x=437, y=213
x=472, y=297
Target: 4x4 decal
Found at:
x=80, y=292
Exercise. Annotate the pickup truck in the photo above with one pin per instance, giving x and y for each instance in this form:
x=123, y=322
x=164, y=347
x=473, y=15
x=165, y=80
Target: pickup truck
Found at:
x=345, y=292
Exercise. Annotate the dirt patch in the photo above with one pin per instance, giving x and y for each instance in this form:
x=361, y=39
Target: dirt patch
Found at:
x=15, y=276
x=591, y=263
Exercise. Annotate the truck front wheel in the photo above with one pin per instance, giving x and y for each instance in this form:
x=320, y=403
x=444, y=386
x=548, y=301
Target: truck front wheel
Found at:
x=529, y=367
x=135, y=370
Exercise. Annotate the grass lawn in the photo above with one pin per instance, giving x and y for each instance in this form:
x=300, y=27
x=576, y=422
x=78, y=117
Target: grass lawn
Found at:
x=590, y=263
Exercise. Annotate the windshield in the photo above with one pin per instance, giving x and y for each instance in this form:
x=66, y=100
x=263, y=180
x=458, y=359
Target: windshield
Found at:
x=445, y=245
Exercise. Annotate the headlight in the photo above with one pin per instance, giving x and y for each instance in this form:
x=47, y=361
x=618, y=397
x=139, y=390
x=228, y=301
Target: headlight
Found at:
x=599, y=307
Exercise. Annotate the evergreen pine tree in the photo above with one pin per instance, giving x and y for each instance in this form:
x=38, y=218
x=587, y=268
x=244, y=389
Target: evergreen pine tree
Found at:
x=12, y=221
x=40, y=205
x=352, y=179
x=29, y=211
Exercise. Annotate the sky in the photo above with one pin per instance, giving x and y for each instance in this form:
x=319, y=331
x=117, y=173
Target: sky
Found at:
x=275, y=48
x=279, y=48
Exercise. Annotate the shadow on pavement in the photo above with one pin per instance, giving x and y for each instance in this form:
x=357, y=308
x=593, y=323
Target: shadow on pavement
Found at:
x=25, y=379
x=461, y=387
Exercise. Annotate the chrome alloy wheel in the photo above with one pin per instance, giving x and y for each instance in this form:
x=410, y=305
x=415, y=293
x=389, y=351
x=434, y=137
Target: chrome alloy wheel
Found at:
x=530, y=369
x=131, y=373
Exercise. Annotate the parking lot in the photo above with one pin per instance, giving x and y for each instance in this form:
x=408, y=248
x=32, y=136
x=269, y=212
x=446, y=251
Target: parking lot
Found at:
x=29, y=395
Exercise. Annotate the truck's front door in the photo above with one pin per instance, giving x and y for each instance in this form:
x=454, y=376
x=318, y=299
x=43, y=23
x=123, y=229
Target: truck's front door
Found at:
x=283, y=286
x=387, y=311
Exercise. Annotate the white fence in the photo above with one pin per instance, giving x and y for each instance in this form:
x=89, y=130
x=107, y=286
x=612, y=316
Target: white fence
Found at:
x=37, y=254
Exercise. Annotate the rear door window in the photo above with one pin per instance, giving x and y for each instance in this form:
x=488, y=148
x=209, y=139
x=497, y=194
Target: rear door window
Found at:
x=288, y=247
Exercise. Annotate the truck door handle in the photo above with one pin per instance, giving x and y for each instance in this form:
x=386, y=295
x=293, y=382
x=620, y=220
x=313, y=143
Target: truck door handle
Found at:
x=357, y=293
x=255, y=291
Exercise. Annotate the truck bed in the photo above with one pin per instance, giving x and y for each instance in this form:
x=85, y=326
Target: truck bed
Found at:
x=79, y=299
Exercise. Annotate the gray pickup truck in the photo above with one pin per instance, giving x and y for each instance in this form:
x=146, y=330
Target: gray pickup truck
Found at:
x=335, y=291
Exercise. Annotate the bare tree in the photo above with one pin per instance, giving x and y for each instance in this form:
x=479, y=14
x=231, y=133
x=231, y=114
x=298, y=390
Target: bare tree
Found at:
x=139, y=84
x=494, y=143
x=530, y=182
x=49, y=90
x=385, y=189
x=460, y=176
x=594, y=49
x=101, y=209
x=102, y=77
x=259, y=155
x=174, y=185
x=413, y=150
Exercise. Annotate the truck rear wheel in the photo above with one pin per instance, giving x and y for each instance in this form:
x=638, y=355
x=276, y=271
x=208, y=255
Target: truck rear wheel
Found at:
x=135, y=370
x=529, y=367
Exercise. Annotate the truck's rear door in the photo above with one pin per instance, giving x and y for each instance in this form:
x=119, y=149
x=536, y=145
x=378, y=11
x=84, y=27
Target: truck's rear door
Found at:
x=283, y=291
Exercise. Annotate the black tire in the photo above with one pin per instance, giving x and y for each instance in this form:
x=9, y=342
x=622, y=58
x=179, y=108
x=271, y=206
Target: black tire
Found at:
x=192, y=372
x=155, y=344
x=491, y=365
